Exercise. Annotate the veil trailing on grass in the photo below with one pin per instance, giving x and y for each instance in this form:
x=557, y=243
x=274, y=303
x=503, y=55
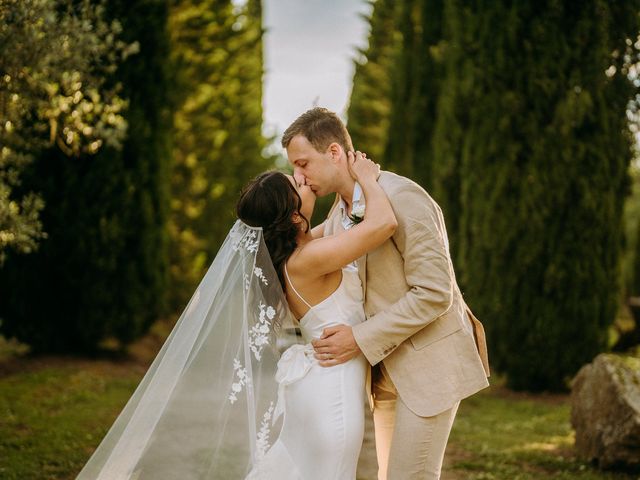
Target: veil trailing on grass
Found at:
x=208, y=406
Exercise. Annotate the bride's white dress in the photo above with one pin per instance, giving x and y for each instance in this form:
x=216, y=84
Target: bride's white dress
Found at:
x=323, y=407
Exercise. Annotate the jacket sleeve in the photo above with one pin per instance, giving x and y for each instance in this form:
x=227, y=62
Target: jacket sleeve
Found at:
x=421, y=240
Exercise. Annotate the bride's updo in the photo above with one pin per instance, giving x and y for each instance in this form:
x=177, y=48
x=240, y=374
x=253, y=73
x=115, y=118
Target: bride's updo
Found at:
x=270, y=201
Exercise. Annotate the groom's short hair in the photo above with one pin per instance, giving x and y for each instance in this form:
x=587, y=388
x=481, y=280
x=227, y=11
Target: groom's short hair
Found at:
x=321, y=127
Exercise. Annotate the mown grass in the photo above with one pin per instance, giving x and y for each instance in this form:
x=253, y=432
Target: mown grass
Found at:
x=52, y=418
x=500, y=434
x=54, y=411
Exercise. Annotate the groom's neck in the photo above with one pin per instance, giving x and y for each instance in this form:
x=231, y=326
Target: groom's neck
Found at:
x=346, y=191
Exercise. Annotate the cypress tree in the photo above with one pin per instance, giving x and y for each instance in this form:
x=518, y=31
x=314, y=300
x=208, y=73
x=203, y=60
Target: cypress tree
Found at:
x=102, y=271
x=370, y=102
x=450, y=123
x=394, y=111
x=513, y=115
x=217, y=52
x=416, y=84
x=543, y=160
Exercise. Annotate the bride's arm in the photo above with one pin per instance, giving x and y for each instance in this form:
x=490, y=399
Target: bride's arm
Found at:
x=318, y=230
x=328, y=254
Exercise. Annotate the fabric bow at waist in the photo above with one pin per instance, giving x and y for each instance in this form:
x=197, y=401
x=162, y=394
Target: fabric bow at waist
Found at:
x=293, y=365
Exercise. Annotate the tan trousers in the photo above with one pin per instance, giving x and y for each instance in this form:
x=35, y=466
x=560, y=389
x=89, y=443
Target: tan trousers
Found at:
x=408, y=447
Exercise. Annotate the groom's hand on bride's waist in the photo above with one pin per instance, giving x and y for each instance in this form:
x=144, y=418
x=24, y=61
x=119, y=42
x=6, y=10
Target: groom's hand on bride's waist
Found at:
x=336, y=345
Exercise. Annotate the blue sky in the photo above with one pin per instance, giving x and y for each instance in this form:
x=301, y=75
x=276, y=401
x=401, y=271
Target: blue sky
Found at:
x=309, y=50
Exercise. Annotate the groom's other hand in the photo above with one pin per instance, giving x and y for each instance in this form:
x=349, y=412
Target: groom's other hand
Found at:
x=336, y=345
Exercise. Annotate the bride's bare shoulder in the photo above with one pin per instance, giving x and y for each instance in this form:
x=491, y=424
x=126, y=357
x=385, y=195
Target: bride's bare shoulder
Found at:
x=302, y=260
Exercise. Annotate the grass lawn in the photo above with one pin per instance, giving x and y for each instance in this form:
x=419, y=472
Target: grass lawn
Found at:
x=500, y=434
x=55, y=410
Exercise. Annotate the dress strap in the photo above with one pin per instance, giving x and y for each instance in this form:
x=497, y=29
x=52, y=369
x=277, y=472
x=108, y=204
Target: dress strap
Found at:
x=294, y=288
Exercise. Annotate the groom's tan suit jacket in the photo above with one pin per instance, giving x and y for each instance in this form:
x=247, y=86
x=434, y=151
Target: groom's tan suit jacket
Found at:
x=418, y=324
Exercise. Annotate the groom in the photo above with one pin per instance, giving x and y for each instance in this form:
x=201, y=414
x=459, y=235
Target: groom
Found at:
x=427, y=350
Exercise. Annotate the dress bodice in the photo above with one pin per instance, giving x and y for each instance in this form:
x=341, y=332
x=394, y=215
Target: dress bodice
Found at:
x=323, y=407
x=344, y=306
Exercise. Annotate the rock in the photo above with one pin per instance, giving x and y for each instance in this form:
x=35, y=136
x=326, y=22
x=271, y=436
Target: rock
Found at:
x=605, y=411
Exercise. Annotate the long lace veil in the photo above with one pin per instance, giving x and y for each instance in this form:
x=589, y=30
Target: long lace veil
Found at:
x=207, y=407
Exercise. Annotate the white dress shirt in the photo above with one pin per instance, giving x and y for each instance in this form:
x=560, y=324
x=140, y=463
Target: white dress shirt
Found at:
x=357, y=200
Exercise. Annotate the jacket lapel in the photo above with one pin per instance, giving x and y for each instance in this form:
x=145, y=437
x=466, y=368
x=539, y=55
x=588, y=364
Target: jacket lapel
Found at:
x=362, y=272
x=336, y=226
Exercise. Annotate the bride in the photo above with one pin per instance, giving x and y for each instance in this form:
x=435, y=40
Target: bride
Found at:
x=236, y=390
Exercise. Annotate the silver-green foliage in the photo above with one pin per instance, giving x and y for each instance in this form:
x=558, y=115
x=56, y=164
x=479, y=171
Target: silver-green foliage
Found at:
x=55, y=57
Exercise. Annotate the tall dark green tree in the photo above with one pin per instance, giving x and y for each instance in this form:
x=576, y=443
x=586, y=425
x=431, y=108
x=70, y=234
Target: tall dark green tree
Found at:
x=396, y=90
x=514, y=116
x=102, y=271
x=450, y=121
x=370, y=103
x=416, y=84
x=217, y=52
x=542, y=159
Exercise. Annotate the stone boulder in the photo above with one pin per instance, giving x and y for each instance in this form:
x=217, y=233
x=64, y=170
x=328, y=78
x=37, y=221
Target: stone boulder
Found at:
x=605, y=411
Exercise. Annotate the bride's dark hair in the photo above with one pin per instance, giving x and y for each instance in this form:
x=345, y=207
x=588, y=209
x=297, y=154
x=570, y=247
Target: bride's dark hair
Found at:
x=270, y=201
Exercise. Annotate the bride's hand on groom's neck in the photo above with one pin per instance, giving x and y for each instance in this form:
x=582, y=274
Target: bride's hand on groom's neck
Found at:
x=361, y=168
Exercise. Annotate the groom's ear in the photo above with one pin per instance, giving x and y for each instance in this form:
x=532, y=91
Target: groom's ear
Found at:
x=335, y=150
